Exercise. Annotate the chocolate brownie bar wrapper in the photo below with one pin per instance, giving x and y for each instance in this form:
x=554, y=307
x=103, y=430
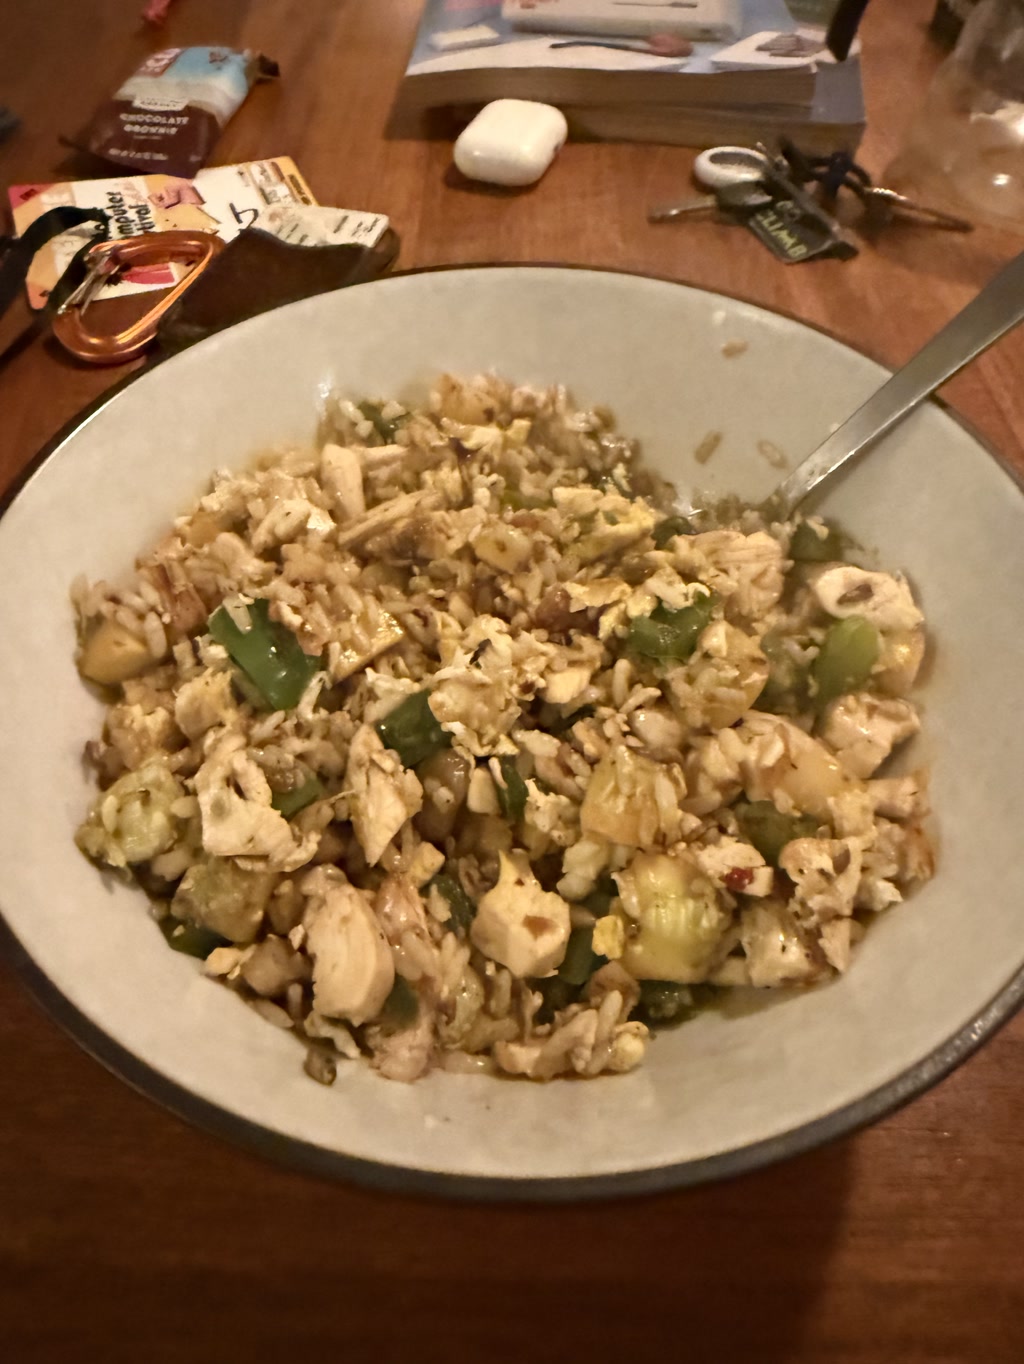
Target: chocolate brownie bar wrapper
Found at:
x=168, y=115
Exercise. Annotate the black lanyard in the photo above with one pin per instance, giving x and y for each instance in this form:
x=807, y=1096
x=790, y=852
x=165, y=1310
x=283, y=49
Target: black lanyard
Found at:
x=17, y=254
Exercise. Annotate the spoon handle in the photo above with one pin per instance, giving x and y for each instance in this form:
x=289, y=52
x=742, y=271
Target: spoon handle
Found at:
x=998, y=308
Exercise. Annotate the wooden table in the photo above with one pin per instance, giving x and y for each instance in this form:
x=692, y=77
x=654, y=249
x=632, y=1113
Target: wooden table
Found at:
x=125, y=1234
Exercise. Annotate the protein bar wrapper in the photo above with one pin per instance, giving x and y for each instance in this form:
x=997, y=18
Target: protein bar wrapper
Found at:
x=169, y=113
x=220, y=199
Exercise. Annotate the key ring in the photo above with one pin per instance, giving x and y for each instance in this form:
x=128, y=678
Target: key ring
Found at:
x=723, y=167
x=103, y=262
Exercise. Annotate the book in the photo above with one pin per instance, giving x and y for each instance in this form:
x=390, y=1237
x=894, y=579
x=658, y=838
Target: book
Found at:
x=608, y=53
x=833, y=122
x=700, y=20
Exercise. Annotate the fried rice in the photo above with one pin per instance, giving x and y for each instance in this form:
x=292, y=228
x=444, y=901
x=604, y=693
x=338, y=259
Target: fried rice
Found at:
x=448, y=744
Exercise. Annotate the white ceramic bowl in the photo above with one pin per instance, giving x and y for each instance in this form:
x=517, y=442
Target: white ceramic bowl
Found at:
x=721, y=1094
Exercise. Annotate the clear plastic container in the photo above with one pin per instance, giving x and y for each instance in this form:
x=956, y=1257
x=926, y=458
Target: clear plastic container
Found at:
x=965, y=147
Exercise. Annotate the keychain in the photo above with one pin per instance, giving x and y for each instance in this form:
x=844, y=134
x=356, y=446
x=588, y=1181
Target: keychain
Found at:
x=291, y=252
x=751, y=187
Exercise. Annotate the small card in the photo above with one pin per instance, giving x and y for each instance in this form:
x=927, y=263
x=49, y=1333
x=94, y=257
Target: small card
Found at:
x=315, y=225
x=794, y=229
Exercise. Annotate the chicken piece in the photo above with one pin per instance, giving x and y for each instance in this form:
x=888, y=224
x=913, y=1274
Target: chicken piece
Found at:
x=422, y=538
x=550, y=820
x=341, y=474
x=402, y=914
x=426, y=861
x=589, y=1042
x=138, y=732
x=383, y=794
x=406, y=1053
x=203, y=702
x=285, y=908
x=238, y=819
x=746, y=570
x=582, y=865
x=776, y=950
x=461, y=1004
x=884, y=599
x=852, y=813
x=907, y=848
x=712, y=772
x=133, y=820
x=477, y=696
x=353, y=971
x=836, y=939
x=290, y=519
x=328, y=1030
x=388, y=513
x=826, y=873
x=660, y=732
x=633, y=800
x=917, y=862
x=900, y=797
x=272, y=966
x=734, y=865
x=862, y=730
x=554, y=762
x=519, y=924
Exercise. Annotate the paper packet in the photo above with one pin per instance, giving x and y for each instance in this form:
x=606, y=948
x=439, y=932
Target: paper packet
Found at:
x=221, y=199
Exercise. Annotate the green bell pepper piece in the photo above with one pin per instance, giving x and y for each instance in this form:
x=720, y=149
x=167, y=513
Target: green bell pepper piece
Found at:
x=768, y=829
x=412, y=730
x=190, y=938
x=289, y=803
x=671, y=635
x=848, y=652
x=268, y=654
x=511, y=796
x=461, y=906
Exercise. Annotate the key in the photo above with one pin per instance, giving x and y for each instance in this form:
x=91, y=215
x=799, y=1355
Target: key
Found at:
x=882, y=205
x=668, y=213
x=741, y=197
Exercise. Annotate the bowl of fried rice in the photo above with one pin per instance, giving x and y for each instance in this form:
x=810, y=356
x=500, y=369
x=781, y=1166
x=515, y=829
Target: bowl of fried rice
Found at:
x=417, y=795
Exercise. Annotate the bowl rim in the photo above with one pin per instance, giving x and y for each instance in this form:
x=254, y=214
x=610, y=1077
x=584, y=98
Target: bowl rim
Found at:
x=311, y=1159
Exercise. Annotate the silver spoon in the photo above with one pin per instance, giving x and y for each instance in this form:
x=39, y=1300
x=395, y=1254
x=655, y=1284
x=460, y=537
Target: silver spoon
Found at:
x=995, y=311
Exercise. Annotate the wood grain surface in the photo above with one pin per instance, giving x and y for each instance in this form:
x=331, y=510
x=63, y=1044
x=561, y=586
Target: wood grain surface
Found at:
x=126, y=1235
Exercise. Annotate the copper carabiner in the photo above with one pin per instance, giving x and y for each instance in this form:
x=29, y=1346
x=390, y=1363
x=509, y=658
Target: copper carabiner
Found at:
x=104, y=261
